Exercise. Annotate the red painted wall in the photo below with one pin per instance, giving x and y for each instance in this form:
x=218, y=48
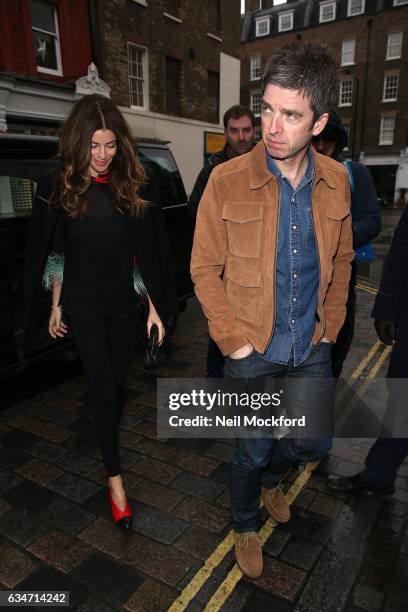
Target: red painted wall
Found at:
x=16, y=47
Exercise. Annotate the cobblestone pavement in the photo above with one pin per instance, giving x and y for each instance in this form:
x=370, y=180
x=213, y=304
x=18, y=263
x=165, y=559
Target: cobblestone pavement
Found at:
x=336, y=553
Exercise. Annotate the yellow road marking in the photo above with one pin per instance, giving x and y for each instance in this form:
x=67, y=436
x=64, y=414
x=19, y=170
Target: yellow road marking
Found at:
x=367, y=288
x=234, y=576
x=361, y=367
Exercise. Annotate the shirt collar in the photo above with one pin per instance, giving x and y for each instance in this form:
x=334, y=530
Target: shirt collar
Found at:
x=308, y=175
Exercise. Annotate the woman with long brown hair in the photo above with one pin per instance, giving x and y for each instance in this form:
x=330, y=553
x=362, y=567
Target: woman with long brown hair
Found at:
x=101, y=251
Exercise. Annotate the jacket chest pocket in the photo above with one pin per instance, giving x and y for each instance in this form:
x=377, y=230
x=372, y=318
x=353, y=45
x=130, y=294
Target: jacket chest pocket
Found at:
x=334, y=215
x=244, y=228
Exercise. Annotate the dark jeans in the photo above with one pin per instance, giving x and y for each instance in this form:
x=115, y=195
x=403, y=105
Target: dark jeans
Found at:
x=263, y=461
x=105, y=346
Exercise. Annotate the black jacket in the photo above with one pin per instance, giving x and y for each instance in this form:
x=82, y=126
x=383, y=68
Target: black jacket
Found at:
x=391, y=303
x=202, y=179
x=150, y=245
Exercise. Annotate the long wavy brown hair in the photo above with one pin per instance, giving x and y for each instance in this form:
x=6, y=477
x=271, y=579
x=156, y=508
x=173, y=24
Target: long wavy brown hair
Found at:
x=91, y=113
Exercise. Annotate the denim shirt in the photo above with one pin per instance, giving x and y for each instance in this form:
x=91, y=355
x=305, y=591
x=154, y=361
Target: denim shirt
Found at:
x=297, y=270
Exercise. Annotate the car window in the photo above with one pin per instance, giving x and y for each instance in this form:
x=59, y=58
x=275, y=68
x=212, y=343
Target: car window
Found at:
x=165, y=186
x=16, y=196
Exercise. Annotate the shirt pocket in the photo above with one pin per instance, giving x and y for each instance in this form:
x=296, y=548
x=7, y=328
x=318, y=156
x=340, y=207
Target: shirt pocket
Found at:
x=243, y=287
x=244, y=228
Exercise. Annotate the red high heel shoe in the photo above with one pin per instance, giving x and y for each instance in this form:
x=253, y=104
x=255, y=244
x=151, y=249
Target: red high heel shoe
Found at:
x=122, y=518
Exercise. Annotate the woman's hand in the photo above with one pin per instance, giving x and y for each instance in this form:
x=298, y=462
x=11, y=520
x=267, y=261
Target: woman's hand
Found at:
x=56, y=327
x=152, y=319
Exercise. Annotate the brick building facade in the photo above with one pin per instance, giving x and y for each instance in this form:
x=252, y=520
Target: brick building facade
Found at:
x=368, y=38
x=173, y=66
x=44, y=48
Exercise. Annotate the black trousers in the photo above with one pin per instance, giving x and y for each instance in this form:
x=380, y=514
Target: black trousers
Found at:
x=106, y=346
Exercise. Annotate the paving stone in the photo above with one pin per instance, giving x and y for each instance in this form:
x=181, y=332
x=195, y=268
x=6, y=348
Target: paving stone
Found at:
x=259, y=601
x=4, y=507
x=25, y=422
x=404, y=545
x=47, y=451
x=29, y=496
x=145, y=429
x=401, y=495
x=11, y=458
x=276, y=542
x=65, y=403
x=395, y=604
x=221, y=474
x=105, y=536
x=38, y=471
x=220, y=451
x=151, y=597
x=308, y=525
x=73, y=487
x=21, y=526
x=128, y=458
x=280, y=579
x=304, y=499
x=197, y=511
x=84, y=443
x=59, y=417
x=54, y=433
x=129, y=440
x=194, y=445
x=91, y=604
x=402, y=564
x=79, y=464
x=386, y=539
x=156, y=495
x=201, y=465
x=158, y=450
x=15, y=565
x=151, y=469
x=398, y=585
x=17, y=439
x=367, y=598
x=128, y=421
x=197, y=542
x=8, y=480
x=66, y=516
x=59, y=550
x=115, y=580
x=327, y=505
x=375, y=577
x=301, y=553
x=190, y=484
x=380, y=557
x=130, y=481
x=224, y=499
x=159, y=561
x=158, y=525
x=99, y=503
x=396, y=508
x=239, y=597
x=54, y=580
x=318, y=482
x=392, y=523
x=328, y=465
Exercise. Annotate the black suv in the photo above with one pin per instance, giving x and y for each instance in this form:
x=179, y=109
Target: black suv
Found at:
x=22, y=160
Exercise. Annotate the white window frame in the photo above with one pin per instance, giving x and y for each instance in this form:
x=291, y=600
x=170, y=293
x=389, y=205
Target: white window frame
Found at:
x=324, y=5
x=255, y=66
x=262, y=20
x=386, y=77
x=144, y=79
x=342, y=92
x=351, y=13
x=142, y=2
x=345, y=52
x=347, y=125
x=382, y=140
x=281, y=18
x=253, y=94
x=400, y=2
x=388, y=56
x=56, y=36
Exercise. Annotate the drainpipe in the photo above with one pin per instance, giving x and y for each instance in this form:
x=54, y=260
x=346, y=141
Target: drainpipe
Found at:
x=364, y=97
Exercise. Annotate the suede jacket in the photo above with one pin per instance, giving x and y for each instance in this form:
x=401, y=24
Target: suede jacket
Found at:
x=233, y=263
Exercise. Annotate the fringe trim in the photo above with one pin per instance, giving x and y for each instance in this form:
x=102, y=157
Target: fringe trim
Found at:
x=54, y=271
x=138, y=283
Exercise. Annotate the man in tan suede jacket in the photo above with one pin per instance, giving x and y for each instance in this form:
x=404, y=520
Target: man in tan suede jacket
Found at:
x=271, y=264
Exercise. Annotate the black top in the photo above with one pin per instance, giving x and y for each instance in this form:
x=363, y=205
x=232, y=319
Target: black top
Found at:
x=149, y=243
x=98, y=257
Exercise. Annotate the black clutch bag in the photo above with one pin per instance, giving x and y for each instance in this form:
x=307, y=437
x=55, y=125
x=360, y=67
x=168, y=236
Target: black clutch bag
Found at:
x=151, y=359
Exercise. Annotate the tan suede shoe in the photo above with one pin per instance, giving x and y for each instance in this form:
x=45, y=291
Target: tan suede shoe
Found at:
x=248, y=553
x=276, y=504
